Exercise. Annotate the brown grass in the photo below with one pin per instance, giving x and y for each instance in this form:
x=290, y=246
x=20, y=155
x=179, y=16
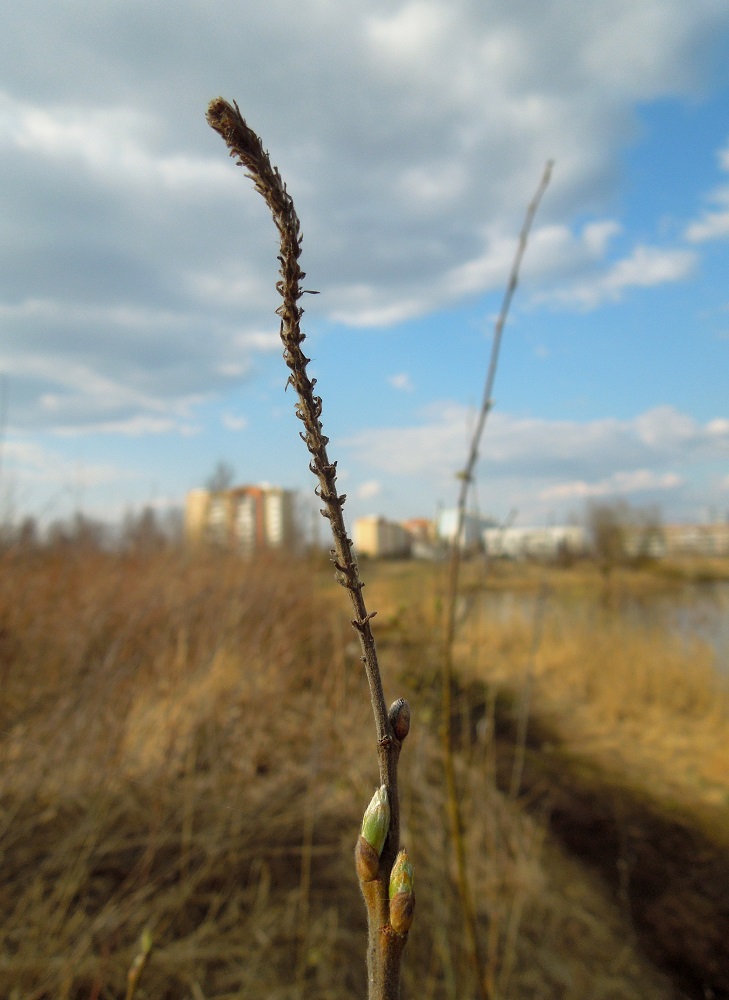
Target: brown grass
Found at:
x=186, y=745
x=619, y=729
x=647, y=704
x=651, y=703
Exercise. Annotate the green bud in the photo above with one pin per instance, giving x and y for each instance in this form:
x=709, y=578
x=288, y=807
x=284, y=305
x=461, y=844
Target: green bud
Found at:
x=376, y=821
x=401, y=876
x=402, y=897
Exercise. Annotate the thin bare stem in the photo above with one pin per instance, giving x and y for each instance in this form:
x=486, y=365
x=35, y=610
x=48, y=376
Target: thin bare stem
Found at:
x=244, y=144
x=466, y=478
x=139, y=964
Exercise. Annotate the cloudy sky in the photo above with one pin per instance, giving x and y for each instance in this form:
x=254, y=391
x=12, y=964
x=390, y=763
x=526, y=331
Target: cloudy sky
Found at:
x=138, y=341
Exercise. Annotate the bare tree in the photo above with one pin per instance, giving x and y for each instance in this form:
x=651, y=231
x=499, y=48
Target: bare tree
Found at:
x=607, y=526
x=221, y=478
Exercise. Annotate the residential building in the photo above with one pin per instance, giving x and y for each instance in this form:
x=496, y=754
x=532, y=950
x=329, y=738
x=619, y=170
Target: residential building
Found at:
x=377, y=537
x=247, y=518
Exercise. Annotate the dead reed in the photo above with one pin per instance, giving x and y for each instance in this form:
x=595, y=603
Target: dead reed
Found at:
x=652, y=704
x=172, y=757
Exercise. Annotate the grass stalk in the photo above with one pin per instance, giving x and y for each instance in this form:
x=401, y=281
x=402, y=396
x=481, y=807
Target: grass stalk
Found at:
x=138, y=964
x=385, y=943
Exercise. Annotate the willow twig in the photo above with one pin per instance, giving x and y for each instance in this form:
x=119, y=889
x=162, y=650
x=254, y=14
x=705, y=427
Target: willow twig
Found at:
x=466, y=478
x=387, y=937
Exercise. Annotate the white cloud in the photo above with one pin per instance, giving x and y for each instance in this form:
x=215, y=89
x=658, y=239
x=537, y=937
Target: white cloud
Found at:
x=404, y=36
x=433, y=187
x=137, y=426
x=597, y=235
x=412, y=451
x=719, y=427
x=713, y=224
x=78, y=362
x=59, y=311
x=369, y=489
x=402, y=382
x=232, y=286
x=554, y=250
x=110, y=144
x=369, y=313
x=646, y=267
x=649, y=266
x=618, y=484
x=233, y=422
x=560, y=457
x=80, y=383
x=33, y=463
x=265, y=341
x=618, y=55
x=665, y=427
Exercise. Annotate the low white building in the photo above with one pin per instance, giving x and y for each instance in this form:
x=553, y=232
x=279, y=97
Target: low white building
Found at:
x=697, y=539
x=474, y=526
x=535, y=543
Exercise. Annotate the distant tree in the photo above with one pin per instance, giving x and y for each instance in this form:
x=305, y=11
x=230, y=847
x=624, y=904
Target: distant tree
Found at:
x=87, y=532
x=222, y=478
x=607, y=528
x=172, y=524
x=27, y=533
x=142, y=533
x=648, y=529
x=621, y=534
x=80, y=532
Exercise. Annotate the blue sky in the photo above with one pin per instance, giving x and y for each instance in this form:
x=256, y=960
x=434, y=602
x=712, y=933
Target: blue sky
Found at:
x=138, y=341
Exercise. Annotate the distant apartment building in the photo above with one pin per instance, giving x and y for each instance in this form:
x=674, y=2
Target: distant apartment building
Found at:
x=377, y=537
x=423, y=541
x=420, y=529
x=246, y=518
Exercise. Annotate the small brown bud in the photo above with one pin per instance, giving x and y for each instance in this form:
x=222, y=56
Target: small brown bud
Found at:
x=399, y=715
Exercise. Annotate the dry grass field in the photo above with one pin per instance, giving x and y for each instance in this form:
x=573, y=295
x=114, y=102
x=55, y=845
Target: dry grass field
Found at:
x=186, y=745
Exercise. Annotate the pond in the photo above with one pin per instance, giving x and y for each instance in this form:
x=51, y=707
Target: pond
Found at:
x=695, y=611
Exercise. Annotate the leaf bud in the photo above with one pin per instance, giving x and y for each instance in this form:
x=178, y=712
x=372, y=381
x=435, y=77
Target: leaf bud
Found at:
x=376, y=820
x=375, y=826
x=399, y=716
x=402, y=896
